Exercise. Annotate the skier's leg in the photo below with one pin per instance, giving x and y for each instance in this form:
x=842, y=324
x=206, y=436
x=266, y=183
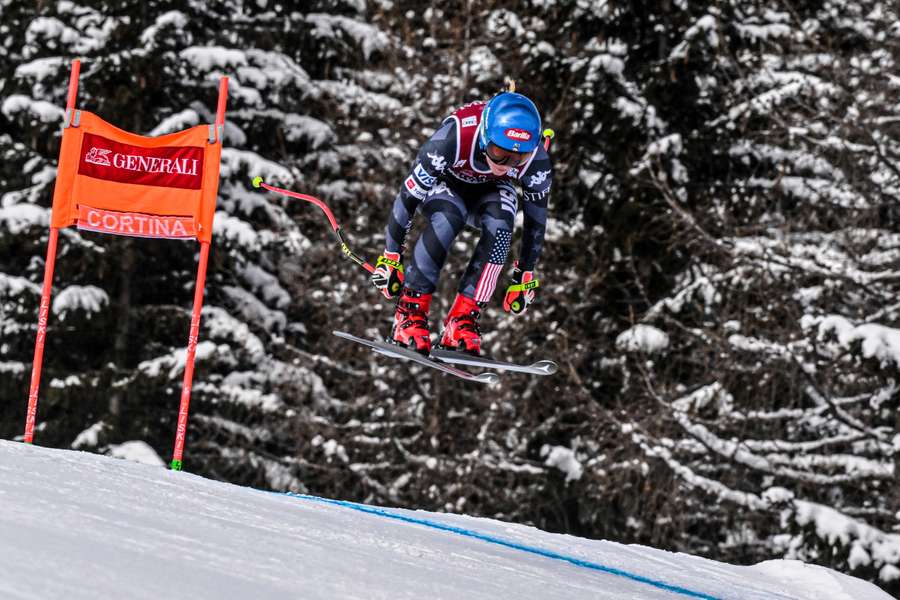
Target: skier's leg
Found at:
x=446, y=213
x=496, y=214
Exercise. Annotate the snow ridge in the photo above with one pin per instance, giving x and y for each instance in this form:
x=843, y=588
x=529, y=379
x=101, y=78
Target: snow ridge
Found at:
x=374, y=510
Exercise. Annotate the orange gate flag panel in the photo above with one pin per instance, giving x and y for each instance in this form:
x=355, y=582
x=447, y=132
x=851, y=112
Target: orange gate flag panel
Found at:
x=113, y=181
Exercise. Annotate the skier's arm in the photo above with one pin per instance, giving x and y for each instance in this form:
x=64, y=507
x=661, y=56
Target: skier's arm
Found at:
x=435, y=155
x=536, y=185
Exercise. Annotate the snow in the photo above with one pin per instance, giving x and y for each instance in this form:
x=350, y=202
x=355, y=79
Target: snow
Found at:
x=357, y=97
x=221, y=325
x=369, y=37
x=208, y=58
x=173, y=18
x=13, y=285
x=48, y=30
x=136, y=451
x=253, y=311
x=234, y=160
x=184, y=119
x=707, y=25
x=563, y=459
x=85, y=526
x=236, y=230
x=44, y=111
x=41, y=68
x=174, y=361
x=250, y=397
x=877, y=341
x=763, y=32
x=818, y=582
x=331, y=448
x=89, y=438
x=642, y=338
x=302, y=127
x=871, y=545
x=703, y=397
x=16, y=368
x=19, y=217
x=265, y=285
x=483, y=65
x=87, y=298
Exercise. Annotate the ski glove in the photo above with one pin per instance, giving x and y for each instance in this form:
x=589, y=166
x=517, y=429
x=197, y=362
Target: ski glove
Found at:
x=388, y=274
x=521, y=293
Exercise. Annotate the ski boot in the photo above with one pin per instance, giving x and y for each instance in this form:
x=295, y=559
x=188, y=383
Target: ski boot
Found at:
x=461, y=327
x=410, y=328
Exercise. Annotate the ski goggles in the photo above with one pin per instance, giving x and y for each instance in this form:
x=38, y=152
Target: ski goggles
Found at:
x=504, y=157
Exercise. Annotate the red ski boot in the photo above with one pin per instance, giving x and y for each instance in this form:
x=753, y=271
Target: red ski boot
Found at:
x=411, y=322
x=461, y=327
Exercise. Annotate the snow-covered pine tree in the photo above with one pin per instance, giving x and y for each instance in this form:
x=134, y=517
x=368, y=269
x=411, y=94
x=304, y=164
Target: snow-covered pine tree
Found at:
x=769, y=377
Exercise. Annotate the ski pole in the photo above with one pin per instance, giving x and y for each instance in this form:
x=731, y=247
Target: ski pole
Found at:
x=548, y=135
x=338, y=232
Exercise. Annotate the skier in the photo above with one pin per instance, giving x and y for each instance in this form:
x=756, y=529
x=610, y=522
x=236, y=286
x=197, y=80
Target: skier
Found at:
x=466, y=173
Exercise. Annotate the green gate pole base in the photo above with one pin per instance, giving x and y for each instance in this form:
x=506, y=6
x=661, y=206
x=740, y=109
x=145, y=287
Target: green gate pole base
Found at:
x=176, y=465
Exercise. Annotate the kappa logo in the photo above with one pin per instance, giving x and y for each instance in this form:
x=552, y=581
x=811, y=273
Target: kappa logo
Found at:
x=538, y=178
x=98, y=156
x=440, y=188
x=438, y=162
x=469, y=122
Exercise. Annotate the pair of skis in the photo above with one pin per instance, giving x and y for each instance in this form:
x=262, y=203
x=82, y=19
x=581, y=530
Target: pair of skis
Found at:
x=444, y=360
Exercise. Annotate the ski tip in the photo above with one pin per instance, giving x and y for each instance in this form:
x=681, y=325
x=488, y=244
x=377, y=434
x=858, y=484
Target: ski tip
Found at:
x=343, y=334
x=257, y=181
x=548, y=367
x=488, y=378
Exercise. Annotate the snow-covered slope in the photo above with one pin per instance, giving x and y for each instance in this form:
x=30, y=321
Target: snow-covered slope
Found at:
x=76, y=525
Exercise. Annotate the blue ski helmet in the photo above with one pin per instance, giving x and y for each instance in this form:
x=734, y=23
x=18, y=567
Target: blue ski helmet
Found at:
x=512, y=122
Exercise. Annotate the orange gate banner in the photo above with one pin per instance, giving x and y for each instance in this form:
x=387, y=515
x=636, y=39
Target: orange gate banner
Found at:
x=113, y=181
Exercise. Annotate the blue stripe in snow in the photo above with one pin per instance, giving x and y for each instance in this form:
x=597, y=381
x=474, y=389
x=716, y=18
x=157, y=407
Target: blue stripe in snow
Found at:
x=372, y=510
